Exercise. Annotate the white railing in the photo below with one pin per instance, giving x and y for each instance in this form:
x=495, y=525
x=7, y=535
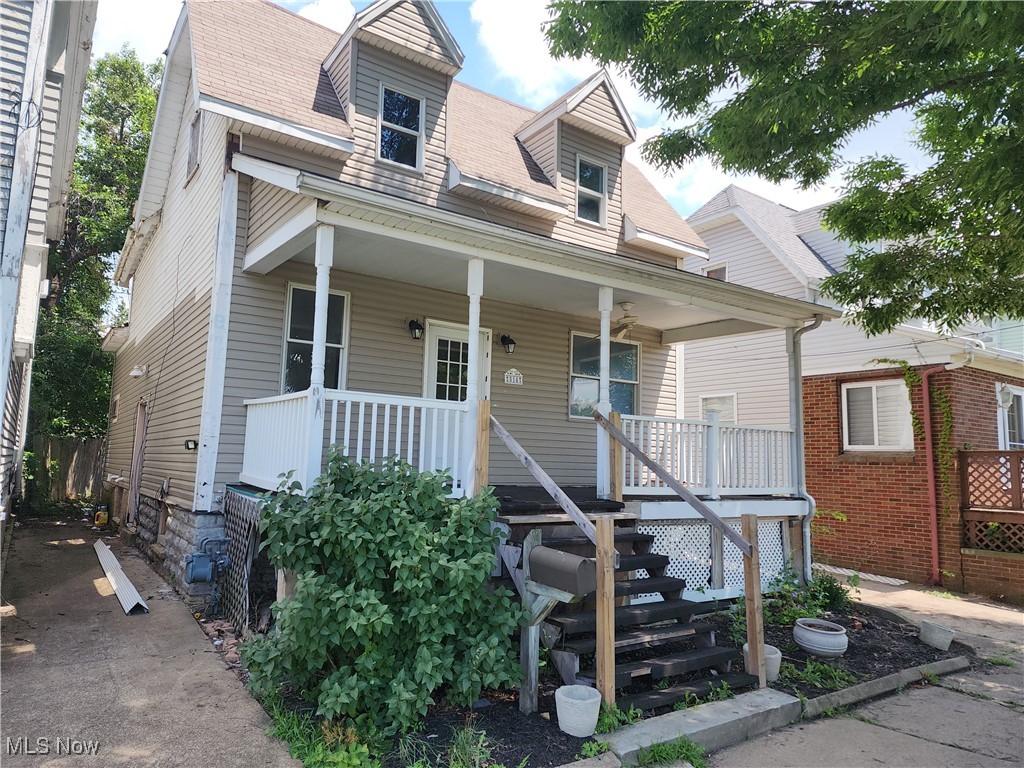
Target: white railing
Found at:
x=276, y=438
x=711, y=459
x=429, y=434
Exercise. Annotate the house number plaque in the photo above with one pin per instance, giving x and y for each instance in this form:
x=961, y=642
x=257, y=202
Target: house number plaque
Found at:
x=513, y=376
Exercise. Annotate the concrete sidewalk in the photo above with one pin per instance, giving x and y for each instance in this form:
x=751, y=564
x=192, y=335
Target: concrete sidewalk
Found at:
x=974, y=718
x=148, y=688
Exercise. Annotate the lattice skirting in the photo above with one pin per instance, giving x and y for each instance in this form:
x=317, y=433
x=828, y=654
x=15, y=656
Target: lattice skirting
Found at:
x=241, y=524
x=993, y=536
x=691, y=551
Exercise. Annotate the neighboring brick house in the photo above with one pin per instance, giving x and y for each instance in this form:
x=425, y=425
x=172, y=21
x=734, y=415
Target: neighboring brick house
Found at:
x=866, y=455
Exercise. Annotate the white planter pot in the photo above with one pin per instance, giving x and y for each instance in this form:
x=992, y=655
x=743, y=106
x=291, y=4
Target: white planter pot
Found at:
x=936, y=635
x=820, y=638
x=772, y=661
x=578, y=707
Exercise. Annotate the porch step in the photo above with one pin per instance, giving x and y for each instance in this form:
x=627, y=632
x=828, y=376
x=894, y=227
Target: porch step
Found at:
x=647, y=562
x=679, y=663
x=579, y=622
x=626, y=537
x=641, y=638
x=667, y=697
x=655, y=585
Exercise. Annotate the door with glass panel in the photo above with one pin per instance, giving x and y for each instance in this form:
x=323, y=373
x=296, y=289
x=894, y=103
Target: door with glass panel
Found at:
x=445, y=377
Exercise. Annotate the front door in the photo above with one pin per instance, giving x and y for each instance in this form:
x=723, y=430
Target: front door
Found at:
x=447, y=362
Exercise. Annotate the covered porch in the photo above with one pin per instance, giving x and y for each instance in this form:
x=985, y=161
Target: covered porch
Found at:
x=503, y=362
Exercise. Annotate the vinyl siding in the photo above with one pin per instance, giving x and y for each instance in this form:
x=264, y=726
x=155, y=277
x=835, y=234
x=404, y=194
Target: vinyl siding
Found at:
x=340, y=73
x=270, y=207
x=830, y=248
x=600, y=109
x=169, y=322
x=383, y=358
x=10, y=427
x=44, y=164
x=575, y=142
x=407, y=26
x=543, y=148
x=15, y=23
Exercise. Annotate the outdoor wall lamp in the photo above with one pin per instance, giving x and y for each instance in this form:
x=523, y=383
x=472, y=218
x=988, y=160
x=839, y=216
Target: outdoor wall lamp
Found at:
x=138, y=371
x=416, y=329
x=508, y=343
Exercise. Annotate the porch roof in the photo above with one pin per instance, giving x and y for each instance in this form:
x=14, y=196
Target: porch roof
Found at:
x=411, y=242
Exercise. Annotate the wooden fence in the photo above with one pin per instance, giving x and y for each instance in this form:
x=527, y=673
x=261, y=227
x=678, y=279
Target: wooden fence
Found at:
x=67, y=468
x=992, y=500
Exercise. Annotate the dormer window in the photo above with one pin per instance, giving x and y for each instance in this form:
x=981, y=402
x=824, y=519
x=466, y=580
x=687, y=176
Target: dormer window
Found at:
x=401, y=128
x=591, y=192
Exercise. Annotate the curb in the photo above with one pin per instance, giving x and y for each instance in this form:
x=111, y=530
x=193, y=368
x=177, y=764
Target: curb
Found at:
x=607, y=760
x=873, y=688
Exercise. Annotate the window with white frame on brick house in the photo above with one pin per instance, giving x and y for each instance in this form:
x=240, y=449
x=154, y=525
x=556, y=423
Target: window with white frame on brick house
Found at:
x=876, y=416
x=1011, y=417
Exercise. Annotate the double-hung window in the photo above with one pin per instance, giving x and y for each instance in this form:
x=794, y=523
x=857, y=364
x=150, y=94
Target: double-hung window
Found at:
x=584, y=384
x=591, y=191
x=195, y=132
x=401, y=128
x=298, y=342
x=876, y=416
x=1011, y=415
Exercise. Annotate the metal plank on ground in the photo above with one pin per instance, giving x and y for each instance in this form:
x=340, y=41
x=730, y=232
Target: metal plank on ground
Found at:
x=129, y=597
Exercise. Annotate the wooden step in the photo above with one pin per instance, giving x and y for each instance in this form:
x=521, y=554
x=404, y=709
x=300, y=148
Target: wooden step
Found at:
x=647, y=562
x=560, y=518
x=658, y=667
x=625, y=537
x=646, y=637
x=657, y=584
x=579, y=622
x=667, y=697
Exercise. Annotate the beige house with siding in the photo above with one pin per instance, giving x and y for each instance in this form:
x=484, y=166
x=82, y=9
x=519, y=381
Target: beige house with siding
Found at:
x=338, y=243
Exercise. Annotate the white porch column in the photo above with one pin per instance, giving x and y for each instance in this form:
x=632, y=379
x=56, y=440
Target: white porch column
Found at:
x=604, y=405
x=474, y=290
x=323, y=259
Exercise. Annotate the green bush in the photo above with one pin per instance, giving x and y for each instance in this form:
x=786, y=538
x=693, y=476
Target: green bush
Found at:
x=787, y=600
x=391, y=602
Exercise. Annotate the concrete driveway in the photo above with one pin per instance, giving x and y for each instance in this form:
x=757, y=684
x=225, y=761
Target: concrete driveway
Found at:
x=147, y=690
x=972, y=718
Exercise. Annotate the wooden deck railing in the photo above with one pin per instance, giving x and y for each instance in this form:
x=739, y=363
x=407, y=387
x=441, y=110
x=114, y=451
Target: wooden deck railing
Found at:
x=992, y=500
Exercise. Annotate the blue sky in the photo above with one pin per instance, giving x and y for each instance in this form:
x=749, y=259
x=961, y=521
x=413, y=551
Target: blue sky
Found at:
x=506, y=55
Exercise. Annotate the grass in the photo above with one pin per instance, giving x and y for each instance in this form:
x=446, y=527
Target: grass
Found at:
x=315, y=744
x=930, y=677
x=593, y=749
x=816, y=674
x=1001, y=661
x=469, y=748
x=612, y=717
x=673, y=752
x=688, y=700
x=945, y=594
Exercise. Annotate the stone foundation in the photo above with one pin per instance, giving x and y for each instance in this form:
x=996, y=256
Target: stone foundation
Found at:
x=168, y=534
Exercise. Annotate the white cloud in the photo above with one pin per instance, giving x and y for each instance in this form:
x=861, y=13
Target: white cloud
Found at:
x=145, y=26
x=335, y=14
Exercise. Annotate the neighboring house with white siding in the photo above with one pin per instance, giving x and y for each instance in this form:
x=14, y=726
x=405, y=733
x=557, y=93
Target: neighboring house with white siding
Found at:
x=337, y=242
x=45, y=47
x=858, y=419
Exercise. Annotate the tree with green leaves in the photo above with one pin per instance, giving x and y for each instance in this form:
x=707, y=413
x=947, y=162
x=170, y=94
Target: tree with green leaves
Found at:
x=71, y=374
x=778, y=88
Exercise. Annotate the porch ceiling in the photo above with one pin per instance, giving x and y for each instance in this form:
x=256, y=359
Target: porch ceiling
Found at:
x=380, y=256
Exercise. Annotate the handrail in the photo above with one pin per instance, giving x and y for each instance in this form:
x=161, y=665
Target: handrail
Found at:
x=706, y=423
x=549, y=485
x=666, y=477
x=277, y=398
x=375, y=397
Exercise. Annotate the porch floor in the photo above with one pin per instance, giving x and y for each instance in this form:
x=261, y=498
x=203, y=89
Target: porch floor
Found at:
x=533, y=499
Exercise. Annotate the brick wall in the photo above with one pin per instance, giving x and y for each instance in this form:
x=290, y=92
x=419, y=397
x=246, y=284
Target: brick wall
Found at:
x=884, y=496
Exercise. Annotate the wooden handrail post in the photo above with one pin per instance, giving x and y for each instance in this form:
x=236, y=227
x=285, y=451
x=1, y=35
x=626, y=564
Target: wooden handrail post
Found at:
x=605, y=651
x=483, y=445
x=752, y=595
x=616, y=468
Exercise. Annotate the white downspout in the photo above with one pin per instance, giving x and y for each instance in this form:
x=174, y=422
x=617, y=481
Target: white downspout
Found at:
x=796, y=416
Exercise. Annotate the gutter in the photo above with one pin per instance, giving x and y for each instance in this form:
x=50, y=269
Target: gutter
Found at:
x=796, y=409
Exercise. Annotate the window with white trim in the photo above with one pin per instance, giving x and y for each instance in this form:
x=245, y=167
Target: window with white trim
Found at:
x=591, y=191
x=298, y=355
x=723, y=405
x=720, y=272
x=585, y=376
x=877, y=416
x=194, y=135
x=1011, y=418
x=400, y=139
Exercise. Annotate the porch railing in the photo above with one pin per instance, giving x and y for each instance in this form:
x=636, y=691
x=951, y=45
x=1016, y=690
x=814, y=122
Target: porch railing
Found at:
x=429, y=434
x=709, y=458
x=992, y=500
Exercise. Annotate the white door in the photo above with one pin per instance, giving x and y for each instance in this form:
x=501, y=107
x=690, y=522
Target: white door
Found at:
x=447, y=363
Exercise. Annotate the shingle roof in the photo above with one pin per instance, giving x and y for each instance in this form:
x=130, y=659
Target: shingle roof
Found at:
x=265, y=58
x=782, y=224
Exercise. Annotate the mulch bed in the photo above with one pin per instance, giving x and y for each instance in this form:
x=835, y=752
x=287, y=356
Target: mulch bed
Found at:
x=512, y=736
x=879, y=646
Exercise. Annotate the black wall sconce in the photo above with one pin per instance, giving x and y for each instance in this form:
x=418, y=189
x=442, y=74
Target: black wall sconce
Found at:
x=508, y=343
x=191, y=445
x=416, y=329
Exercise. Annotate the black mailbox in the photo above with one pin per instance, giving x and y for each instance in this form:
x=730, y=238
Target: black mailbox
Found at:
x=562, y=570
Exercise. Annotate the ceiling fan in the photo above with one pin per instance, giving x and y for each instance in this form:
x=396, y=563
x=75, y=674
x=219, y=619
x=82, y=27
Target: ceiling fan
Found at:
x=624, y=324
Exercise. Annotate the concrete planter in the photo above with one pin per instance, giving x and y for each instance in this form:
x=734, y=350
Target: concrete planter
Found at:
x=578, y=707
x=936, y=635
x=821, y=638
x=772, y=661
